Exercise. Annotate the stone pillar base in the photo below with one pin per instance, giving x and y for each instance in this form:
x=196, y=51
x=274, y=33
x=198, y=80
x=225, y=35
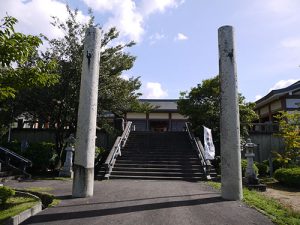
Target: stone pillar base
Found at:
x=83, y=182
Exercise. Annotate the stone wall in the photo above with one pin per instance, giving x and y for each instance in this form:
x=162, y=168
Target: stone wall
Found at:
x=48, y=135
x=267, y=143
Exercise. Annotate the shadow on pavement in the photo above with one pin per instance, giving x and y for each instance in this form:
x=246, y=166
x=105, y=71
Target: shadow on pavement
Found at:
x=119, y=210
x=66, y=197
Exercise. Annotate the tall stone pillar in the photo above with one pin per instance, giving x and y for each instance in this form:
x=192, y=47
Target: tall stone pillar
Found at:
x=83, y=183
x=231, y=175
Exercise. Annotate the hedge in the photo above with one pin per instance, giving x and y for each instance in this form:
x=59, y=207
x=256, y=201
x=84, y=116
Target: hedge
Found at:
x=288, y=176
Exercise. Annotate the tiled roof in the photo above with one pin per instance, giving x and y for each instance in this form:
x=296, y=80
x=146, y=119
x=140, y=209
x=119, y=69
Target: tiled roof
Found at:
x=275, y=94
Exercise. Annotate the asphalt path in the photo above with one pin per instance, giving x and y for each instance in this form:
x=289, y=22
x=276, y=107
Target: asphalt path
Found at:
x=142, y=202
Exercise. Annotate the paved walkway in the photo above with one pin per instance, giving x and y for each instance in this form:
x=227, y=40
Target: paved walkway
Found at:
x=122, y=202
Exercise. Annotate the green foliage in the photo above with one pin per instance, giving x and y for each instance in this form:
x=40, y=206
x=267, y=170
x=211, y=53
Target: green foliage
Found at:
x=202, y=106
x=58, y=104
x=99, y=151
x=263, y=169
x=20, y=68
x=17, y=48
x=289, y=131
x=288, y=176
x=42, y=155
x=14, y=146
x=244, y=167
x=5, y=193
x=277, y=164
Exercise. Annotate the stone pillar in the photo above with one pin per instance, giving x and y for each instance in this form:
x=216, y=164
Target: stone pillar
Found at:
x=250, y=173
x=83, y=183
x=67, y=170
x=231, y=175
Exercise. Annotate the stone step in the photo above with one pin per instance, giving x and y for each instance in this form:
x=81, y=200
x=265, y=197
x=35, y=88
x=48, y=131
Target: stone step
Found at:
x=173, y=162
x=192, y=179
x=152, y=165
x=176, y=154
x=157, y=158
x=157, y=169
x=165, y=152
x=157, y=173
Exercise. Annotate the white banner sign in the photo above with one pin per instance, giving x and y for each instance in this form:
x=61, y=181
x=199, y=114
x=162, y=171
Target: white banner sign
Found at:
x=209, y=147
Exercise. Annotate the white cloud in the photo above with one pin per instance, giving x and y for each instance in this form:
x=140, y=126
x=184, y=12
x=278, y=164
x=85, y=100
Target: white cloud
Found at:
x=156, y=37
x=129, y=15
x=35, y=16
x=125, y=16
x=154, y=90
x=282, y=84
x=149, y=7
x=180, y=37
x=291, y=43
x=258, y=97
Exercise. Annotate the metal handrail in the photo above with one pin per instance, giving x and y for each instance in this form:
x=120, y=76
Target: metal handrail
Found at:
x=206, y=165
x=23, y=162
x=116, y=150
x=15, y=155
x=126, y=133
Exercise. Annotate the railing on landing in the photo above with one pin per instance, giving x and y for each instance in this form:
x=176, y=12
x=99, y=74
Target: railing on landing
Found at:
x=206, y=165
x=15, y=161
x=116, y=150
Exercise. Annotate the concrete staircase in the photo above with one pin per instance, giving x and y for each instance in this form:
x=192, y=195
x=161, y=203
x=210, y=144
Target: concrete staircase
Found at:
x=158, y=156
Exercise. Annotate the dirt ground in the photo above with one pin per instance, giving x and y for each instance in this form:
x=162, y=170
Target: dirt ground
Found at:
x=287, y=196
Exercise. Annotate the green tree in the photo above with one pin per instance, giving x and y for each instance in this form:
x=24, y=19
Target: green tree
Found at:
x=202, y=106
x=58, y=104
x=15, y=71
x=289, y=131
x=20, y=68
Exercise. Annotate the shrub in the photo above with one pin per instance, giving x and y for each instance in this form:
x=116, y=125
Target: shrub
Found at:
x=288, y=176
x=42, y=155
x=263, y=169
x=244, y=166
x=5, y=193
x=277, y=164
x=14, y=146
x=99, y=151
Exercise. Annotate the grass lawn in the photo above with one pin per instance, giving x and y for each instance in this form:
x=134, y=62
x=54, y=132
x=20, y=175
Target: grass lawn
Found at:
x=42, y=192
x=278, y=213
x=52, y=178
x=16, y=205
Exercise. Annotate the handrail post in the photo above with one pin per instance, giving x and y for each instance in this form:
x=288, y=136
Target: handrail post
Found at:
x=206, y=165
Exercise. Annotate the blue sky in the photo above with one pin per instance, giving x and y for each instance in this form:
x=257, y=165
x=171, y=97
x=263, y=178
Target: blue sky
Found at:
x=177, y=39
